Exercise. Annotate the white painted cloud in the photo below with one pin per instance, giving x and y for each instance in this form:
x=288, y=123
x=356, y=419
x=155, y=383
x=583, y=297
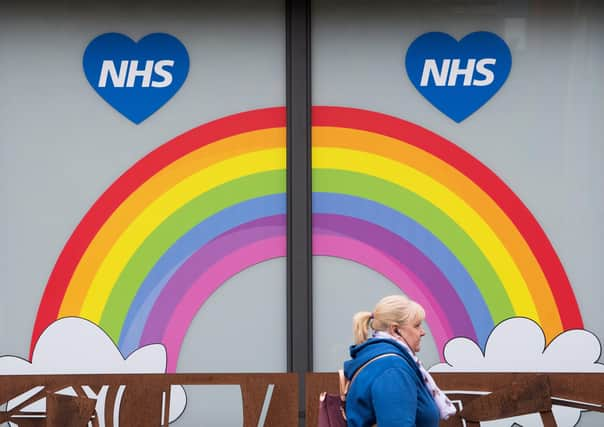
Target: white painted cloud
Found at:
x=518, y=345
x=74, y=345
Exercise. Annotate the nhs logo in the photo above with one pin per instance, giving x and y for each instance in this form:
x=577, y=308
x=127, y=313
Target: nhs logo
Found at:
x=136, y=78
x=458, y=77
x=129, y=71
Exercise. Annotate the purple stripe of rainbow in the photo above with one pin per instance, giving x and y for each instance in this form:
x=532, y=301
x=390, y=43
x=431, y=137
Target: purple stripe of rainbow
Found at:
x=256, y=242
x=196, y=293
x=426, y=273
x=356, y=240
x=200, y=262
x=180, y=251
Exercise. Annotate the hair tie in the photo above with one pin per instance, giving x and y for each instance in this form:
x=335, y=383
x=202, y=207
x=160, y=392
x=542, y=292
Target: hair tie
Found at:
x=371, y=316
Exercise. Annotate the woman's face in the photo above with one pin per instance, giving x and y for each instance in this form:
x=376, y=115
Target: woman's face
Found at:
x=412, y=333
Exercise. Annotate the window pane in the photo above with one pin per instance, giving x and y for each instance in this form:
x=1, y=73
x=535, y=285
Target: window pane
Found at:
x=390, y=213
x=192, y=181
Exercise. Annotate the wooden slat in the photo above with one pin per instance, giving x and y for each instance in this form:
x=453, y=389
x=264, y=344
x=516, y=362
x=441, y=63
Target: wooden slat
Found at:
x=284, y=403
x=527, y=396
x=253, y=392
x=68, y=411
x=585, y=387
x=317, y=382
x=32, y=422
x=548, y=419
x=141, y=405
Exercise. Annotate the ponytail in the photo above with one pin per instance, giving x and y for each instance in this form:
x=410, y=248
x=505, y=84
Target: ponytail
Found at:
x=360, y=326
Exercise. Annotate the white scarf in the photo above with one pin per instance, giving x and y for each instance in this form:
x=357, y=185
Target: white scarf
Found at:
x=445, y=406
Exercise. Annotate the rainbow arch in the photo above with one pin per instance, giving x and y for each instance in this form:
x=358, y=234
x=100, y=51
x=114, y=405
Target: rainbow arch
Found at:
x=387, y=194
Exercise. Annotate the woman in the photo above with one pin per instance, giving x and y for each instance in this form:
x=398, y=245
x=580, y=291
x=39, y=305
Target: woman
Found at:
x=393, y=390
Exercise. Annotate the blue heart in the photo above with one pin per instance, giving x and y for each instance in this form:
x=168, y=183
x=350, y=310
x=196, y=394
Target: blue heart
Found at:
x=136, y=79
x=458, y=77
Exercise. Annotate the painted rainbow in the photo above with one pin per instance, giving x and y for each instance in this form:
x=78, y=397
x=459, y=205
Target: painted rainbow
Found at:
x=387, y=194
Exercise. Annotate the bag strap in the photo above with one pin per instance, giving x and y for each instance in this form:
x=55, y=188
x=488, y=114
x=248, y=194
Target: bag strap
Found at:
x=345, y=382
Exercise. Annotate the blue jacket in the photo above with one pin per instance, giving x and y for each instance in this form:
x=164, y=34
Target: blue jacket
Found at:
x=389, y=391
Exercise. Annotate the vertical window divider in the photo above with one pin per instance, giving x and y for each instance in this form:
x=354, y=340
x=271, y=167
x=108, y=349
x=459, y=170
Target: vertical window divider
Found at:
x=299, y=193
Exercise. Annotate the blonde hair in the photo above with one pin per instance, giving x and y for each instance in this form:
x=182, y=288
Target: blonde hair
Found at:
x=393, y=309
